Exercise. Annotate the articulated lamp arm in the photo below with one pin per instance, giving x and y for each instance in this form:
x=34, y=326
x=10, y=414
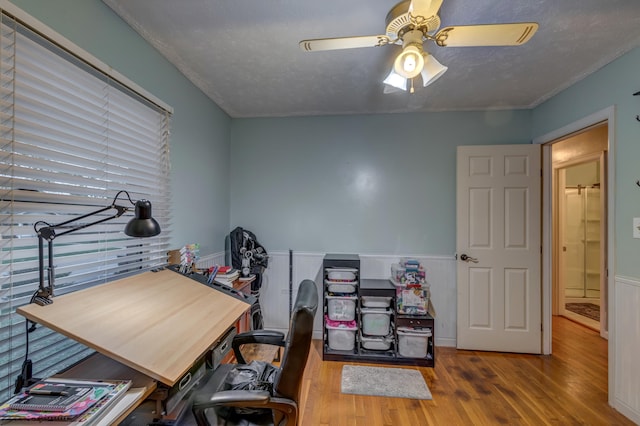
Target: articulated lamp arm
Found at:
x=142, y=225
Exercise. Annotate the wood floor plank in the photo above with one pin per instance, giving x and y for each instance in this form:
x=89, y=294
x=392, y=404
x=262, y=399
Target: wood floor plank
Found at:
x=568, y=387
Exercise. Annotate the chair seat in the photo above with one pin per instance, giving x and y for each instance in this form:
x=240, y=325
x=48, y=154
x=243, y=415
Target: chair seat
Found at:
x=277, y=389
x=220, y=416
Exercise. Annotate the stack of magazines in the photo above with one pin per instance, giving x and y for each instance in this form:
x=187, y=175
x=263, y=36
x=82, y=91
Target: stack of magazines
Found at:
x=64, y=401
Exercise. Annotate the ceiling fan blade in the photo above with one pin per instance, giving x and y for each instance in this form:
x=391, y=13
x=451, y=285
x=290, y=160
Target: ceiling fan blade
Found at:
x=343, y=43
x=486, y=35
x=424, y=8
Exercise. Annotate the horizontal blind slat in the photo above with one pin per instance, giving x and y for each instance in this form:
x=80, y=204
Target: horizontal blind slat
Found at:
x=70, y=139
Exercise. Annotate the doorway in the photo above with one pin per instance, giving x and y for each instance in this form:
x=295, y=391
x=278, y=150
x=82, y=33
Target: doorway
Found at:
x=579, y=257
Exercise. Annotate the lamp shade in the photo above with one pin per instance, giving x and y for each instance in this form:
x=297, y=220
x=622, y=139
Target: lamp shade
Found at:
x=432, y=70
x=394, y=80
x=142, y=225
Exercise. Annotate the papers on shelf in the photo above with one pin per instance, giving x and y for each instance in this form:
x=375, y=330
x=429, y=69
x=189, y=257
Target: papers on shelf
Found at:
x=91, y=416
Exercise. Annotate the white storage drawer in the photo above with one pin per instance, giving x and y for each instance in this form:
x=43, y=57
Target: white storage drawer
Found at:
x=413, y=342
x=341, y=308
x=341, y=274
x=341, y=286
x=376, y=301
x=377, y=343
x=341, y=335
x=376, y=322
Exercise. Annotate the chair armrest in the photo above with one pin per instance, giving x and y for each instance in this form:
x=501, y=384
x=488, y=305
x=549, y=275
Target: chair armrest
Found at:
x=234, y=398
x=247, y=399
x=267, y=337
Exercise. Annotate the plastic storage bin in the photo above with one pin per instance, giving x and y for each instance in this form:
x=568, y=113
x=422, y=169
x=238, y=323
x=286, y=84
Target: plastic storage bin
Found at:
x=376, y=343
x=341, y=335
x=341, y=308
x=413, y=342
x=408, y=273
x=344, y=287
x=376, y=301
x=397, y=273
x=412, y=300
x=375, y=322
x=337, y=274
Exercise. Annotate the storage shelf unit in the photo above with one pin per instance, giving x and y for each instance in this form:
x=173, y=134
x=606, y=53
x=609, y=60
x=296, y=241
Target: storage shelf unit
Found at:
x=373, y=288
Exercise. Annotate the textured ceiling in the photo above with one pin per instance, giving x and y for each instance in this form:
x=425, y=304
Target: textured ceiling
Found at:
x=244, y=54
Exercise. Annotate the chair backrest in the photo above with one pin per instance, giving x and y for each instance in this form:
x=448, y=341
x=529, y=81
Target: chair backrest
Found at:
x=298, y=343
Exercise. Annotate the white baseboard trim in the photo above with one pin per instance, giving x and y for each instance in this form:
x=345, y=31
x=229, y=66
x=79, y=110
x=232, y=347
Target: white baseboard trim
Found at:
x=627, y=411
x=446, y=342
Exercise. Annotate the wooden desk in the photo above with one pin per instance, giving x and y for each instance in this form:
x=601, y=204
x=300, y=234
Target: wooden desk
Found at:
x=157, y=323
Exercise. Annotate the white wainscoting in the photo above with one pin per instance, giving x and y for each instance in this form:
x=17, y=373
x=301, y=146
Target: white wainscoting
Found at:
x=274, y=294
x=627, y=347
x=210, y=260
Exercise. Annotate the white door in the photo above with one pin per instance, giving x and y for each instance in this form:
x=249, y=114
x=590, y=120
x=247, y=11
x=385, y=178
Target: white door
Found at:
x=498, y=247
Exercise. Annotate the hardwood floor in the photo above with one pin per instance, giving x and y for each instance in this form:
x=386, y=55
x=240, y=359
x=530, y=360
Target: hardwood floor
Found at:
x=568, y=387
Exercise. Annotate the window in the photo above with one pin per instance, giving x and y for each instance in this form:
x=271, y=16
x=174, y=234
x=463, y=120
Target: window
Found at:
x=71, y=137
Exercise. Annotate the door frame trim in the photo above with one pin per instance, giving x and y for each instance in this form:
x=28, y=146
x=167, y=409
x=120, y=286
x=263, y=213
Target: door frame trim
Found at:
x=608, y=115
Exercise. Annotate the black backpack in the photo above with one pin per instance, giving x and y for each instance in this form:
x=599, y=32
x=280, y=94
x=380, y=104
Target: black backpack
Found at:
x=242, y=241
x=239, y=242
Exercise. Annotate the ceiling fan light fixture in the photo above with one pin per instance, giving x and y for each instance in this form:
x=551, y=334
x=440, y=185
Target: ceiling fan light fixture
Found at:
x=409, y=62
x=395, y=80
x=432, y=70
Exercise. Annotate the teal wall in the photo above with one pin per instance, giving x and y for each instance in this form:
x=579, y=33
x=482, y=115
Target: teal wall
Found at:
x=614, y=85
x=366, y=184
x=200, y=129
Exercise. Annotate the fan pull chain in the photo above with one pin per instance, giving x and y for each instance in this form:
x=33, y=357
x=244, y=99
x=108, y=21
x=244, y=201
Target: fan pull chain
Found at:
x=411, y=90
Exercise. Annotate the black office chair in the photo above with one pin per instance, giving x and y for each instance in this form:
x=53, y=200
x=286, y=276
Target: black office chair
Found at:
x=263, y=407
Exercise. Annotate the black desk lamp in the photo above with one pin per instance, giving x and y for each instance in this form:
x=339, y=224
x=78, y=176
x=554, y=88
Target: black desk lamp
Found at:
x=142, y=225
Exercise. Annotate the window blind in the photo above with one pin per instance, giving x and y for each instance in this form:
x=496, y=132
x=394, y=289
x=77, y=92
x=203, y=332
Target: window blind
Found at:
x=71, y=137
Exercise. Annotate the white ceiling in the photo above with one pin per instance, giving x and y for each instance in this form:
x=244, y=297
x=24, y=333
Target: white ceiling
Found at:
x=244, y=54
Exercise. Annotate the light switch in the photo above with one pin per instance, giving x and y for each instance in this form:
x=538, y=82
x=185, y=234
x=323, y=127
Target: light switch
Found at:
x=636, y=227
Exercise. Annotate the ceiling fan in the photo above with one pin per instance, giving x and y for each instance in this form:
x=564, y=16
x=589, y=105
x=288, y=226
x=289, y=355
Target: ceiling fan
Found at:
x=412, y=22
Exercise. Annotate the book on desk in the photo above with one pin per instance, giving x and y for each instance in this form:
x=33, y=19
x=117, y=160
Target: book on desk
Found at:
x=85, y=402
x=227, y=278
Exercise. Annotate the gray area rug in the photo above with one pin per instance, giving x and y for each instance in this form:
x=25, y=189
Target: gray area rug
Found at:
x=382, y=381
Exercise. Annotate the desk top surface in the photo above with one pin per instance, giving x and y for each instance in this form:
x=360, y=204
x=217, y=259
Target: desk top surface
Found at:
x=158, y=323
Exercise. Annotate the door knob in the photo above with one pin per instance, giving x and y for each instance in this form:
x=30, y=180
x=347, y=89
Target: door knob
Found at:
x=466, y=258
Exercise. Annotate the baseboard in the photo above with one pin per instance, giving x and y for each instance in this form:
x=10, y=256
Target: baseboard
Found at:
x=446, y=342
x=627, y=411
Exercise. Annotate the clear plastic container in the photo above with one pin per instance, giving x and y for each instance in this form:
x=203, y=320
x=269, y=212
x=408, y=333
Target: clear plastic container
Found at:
x=412, y=300
x=397, y=272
